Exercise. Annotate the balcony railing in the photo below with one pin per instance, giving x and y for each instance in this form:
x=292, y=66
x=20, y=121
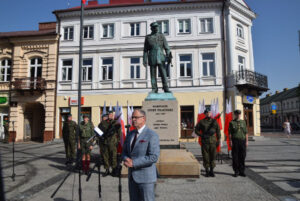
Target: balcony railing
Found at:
x=37, y=83
x=251, y=79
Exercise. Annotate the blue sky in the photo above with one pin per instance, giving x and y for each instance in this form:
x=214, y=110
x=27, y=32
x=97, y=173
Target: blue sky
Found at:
x=275, y=32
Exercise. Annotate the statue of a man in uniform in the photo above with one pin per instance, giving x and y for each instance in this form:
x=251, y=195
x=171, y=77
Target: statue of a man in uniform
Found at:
x=155, y=45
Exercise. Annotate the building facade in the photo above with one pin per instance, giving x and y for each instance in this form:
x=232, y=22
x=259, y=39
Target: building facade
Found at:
x=211, y=43
x=287, y=106
x=28, y=82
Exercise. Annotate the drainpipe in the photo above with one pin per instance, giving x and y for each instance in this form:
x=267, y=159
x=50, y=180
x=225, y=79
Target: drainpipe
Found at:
x=57, y=63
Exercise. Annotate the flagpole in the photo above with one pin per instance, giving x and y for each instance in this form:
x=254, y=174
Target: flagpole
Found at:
x=79, y=93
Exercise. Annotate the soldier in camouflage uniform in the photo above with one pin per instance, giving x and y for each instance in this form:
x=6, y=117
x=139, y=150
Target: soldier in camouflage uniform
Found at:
x=209, y=131
x=109, y=143
x=239, y=141
x=6, y=130
x=69, y=137
x=155, y=44
x=86, y=132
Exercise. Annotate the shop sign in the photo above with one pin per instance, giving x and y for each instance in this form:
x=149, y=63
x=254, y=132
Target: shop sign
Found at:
x=74, y=101
x=248, y=99
x=3, y=100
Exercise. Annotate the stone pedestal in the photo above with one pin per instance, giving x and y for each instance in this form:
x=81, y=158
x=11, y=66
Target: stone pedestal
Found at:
x=163, y=118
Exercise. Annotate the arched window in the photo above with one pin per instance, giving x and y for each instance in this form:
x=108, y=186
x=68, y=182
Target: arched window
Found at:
x=240, y=31
x=35, y=67
x=5, y=70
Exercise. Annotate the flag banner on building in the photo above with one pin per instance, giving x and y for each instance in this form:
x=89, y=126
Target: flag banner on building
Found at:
x=228, y=119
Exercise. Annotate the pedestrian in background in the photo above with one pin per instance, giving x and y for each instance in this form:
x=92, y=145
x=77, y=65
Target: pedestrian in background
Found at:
x=238, y=137
x=287, y=128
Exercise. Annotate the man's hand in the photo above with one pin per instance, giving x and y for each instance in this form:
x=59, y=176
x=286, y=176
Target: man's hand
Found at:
x=128, y=162
x=247, y=143
x=78, y=145
x=91, y=147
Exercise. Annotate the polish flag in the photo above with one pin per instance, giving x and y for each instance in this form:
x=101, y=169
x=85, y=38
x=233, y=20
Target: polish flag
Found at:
x=200, y=116
x=217, y=117
x=228, y=119
x=84, y=1
x=123, y=131
x=129, y=117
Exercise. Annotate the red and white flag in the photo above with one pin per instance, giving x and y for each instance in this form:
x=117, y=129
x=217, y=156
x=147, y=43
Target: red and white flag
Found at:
x=228, y=119
x=123, y=131
x=129, y=117
x=217, y=117
x=84, y=1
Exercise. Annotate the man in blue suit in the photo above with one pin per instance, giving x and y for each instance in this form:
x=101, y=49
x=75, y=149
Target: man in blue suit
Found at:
x=140, y=153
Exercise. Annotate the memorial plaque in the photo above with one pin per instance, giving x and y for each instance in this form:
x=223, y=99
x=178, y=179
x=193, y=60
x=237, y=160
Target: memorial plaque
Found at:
x=163, y=118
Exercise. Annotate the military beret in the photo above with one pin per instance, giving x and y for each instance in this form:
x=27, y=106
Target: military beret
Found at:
x=206, y=110
x=85, y=116
x=110, y=111
x=237, y=112
x=154, y=24
x=69, y=115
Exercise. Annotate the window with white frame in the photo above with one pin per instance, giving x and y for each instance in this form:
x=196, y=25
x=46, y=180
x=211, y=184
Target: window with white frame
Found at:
x=135, y=68
x=67, y=69
x=5, y=70
x=36, y=67
x=167, y=67
x=185, y=65
x=87, y=70
x=135, y=29
x=108, y=30
x=206, y=25
x=107, y=68
x=208, y=64
x=240, y=31
x=241, y=61
x=163, y=26
x=88, y=32
x=184, y=26
x=68, y=33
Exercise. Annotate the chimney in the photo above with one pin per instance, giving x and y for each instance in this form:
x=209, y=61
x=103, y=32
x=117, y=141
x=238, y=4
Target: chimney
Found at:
x=118, y=2
x=277, y=92
x=93, y=2
x=285, y=89
x=47, y=26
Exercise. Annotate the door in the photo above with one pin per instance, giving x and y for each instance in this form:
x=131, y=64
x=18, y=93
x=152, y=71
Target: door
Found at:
x=248, y=117
x=187, y=121
x=2, y=116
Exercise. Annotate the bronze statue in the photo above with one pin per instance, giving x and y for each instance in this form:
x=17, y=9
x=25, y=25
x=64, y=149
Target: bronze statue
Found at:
x=155, y=44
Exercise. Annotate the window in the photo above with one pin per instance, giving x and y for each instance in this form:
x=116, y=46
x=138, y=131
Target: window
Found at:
x=241, y=61
x=206, y=25
x=68, y=33
x=107, y=69
x=185, y=65
x=208, y=64
x=135, y=69
x=163, y=26
x=108, y=30
x=240, y=31
x=36, y=67
x=67, y=68
x=184, y=26
x=87, y=70
x=88, y=32
x=167, y=69
x=134, y=29
x=5, y=70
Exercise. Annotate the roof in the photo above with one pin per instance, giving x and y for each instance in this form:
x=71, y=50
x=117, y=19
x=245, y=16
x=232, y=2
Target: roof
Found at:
x=102, y=6
x=290, y=93
x=27, y=33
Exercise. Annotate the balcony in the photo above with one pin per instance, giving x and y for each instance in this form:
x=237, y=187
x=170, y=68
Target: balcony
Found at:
x=251, y=80
x=29, y=84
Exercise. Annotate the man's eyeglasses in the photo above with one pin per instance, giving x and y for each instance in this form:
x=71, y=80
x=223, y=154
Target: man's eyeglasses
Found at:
x=137, y=117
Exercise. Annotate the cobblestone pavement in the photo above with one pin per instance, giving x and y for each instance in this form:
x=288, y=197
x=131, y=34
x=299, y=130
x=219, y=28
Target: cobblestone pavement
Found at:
x=40, y=169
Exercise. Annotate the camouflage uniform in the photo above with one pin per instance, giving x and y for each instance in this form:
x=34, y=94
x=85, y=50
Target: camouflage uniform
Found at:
x=69, y=137
x=206, y=129
x=86, y=132
x=108, y=145
x=237, y=132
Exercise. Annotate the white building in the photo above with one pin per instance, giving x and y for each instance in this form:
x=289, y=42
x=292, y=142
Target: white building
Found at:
x=211, y=43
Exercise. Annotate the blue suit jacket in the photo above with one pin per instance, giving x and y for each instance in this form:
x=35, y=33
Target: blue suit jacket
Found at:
x=144, y=155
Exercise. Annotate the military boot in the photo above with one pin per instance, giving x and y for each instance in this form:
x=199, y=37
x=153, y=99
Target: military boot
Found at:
x=236, y=174
x=211, y=173
x=106, y=173
x=206, y=172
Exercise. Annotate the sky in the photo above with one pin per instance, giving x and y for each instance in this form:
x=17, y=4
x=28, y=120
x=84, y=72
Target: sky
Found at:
x=275, y=33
